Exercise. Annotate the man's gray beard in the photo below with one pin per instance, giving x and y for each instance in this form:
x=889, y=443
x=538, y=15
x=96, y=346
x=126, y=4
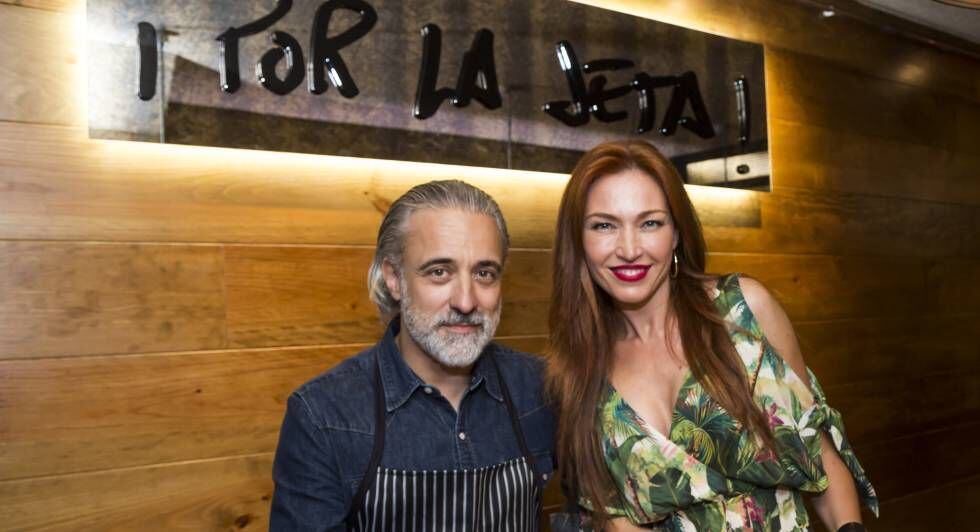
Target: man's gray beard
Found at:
x=446, y=347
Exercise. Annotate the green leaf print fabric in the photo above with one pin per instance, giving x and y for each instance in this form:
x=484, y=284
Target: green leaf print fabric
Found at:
x=709, y=474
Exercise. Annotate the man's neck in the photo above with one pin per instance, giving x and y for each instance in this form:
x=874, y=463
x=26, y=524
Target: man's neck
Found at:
x=451, y=382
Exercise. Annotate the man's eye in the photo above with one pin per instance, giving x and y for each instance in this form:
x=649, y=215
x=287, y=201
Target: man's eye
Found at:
x=486, y=275
x=438, y=272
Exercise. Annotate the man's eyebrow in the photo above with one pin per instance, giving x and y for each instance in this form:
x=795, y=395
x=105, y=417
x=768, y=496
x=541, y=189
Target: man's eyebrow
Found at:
x=490, y=264
x=441, y=261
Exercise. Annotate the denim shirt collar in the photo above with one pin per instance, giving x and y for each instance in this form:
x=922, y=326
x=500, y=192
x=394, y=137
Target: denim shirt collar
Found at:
x=400, y=382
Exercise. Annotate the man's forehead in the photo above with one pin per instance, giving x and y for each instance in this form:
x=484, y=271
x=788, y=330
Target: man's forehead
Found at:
x=452, y=234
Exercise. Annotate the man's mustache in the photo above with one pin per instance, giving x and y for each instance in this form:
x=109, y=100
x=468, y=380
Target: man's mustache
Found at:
x=475, y=319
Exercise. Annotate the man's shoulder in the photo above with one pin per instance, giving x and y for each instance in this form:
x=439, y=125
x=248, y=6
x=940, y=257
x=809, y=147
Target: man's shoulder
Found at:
x=524, y=374
x=519, y=362
x=336, y=397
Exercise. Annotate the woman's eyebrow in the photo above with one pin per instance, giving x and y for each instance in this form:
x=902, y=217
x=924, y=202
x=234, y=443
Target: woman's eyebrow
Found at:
x=612, y=217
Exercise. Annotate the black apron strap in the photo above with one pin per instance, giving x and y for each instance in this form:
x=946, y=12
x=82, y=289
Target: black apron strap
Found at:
x=516, y=420
x=378, y=448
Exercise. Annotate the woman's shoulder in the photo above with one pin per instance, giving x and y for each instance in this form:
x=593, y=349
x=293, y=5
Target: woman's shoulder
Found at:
x=737, y=290
x=769, y=319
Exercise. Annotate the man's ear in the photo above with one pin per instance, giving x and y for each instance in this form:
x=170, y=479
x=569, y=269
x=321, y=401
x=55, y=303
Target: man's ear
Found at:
x=392, y=280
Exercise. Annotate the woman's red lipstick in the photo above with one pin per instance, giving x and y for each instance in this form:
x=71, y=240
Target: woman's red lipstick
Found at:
x=630, y=273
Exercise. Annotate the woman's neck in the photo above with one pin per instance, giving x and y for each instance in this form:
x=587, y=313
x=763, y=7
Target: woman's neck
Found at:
x=649, y=320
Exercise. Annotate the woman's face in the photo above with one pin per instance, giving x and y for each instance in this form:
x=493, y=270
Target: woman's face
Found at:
x=629, y=236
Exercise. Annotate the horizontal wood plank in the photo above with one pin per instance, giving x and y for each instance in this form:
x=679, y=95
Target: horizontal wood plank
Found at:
x=806, y=90
x=914, y=462
x=847, y=351
x=89, y=413
x=826, y=287
x=42, y=71
x=59, y=185
x=297, y=295
x=217, y=495
x=68, y=415
x=70, y=298
x=835, y=159
x=51, y=5
x=811, y=221
x=954, y=286
x=879, y=410
x=947, y=507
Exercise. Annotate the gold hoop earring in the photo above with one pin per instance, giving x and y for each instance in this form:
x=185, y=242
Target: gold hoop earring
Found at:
x=676, y=268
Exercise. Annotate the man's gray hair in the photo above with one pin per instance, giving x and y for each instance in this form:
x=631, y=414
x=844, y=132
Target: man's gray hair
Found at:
x=449, y=194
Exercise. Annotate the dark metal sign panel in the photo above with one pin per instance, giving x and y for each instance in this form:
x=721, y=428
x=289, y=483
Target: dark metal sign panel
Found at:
x=526, y=84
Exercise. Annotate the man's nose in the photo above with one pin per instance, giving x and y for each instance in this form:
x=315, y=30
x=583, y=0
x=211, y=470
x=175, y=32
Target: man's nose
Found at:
x=463, y=298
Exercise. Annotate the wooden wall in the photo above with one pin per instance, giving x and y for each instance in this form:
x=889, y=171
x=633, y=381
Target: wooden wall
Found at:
x=158, y=303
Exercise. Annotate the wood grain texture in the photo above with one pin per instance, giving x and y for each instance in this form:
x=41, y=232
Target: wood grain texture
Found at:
x=302, y=295
x=834, y=159
x=807, y=221
x=72, y=298
x=806, y=90
x=227, y=494
x=954, y=286
x=879, y=410
x=822, y=287
x=58, y=185
x=43, y=79
x=69, y=415
x=50, y=5
x=951, y=506
x=855, y=350
x=911, y=463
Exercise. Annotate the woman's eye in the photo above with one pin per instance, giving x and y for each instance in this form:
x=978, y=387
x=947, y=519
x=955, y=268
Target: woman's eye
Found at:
x=601, y=226
x=652, y=223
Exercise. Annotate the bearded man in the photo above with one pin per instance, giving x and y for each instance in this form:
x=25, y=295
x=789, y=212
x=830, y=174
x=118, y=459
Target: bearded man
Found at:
x=434, y=427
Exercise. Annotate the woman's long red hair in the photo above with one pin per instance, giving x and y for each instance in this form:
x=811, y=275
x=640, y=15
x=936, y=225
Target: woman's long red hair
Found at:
x=585, y=323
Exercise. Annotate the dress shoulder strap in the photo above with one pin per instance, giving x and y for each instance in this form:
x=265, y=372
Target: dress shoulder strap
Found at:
x=743, y=329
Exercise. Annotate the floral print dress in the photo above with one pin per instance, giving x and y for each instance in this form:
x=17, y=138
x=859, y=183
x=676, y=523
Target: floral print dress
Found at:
x=709, y=474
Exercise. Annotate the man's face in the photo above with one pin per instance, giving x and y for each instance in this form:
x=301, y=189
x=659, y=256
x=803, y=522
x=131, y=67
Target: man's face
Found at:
x=448, y=285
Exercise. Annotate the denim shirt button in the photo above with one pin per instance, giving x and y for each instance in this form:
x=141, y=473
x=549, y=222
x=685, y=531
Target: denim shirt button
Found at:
x=427, y=389
x=462, y=435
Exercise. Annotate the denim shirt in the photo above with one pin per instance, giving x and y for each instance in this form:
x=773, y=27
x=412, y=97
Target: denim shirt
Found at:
x=326, y=438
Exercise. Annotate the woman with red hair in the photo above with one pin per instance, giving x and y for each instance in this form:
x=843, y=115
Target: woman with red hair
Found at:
x=683, y=399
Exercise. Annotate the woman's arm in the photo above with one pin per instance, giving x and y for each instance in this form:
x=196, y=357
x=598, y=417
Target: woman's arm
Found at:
x=839, y=504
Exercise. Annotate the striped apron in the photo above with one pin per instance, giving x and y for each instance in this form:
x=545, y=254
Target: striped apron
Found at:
x=504, y=497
